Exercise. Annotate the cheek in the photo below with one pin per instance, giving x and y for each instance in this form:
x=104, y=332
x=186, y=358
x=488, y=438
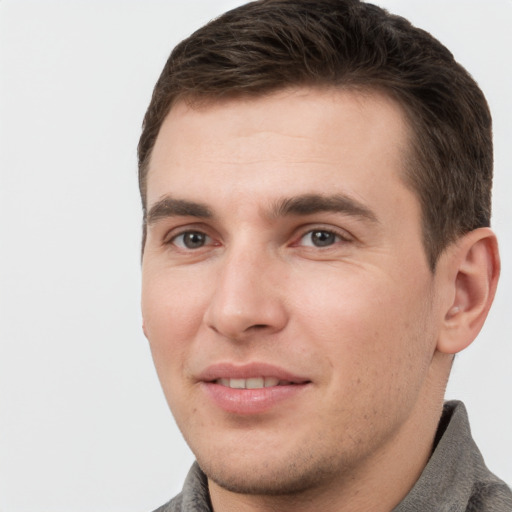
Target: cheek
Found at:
x=172, y=309
x=369, y=328
x=172, y=315
x=346, y=308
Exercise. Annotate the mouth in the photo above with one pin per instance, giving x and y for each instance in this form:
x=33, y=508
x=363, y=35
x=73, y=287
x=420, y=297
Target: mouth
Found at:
x=254, y=383
x=250, y=376
x=253, y=388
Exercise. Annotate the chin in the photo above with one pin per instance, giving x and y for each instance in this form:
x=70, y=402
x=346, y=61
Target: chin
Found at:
x=297, y=475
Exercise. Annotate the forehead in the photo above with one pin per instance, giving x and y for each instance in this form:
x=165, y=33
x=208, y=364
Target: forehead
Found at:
x=293, y=142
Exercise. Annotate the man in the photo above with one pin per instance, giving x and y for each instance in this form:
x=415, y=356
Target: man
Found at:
x=315, y=178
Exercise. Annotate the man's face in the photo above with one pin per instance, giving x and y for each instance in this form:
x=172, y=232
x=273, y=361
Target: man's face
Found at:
x=284, y=250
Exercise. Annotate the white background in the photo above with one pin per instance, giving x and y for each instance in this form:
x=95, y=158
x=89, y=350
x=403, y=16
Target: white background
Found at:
x=83, y=423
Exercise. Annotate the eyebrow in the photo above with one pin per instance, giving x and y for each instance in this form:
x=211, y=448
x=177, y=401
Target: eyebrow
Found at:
x=171, y=207
x=307, y=204
x=314, y=203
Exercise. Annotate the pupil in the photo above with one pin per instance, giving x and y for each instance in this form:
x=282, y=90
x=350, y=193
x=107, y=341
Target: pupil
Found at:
x=193, y=240
x=323, y=238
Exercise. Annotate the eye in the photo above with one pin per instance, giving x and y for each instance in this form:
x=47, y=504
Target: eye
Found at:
x=191, y=240
x=320, y=238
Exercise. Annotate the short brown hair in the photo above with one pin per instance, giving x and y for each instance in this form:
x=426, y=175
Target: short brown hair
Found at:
x=268, y=45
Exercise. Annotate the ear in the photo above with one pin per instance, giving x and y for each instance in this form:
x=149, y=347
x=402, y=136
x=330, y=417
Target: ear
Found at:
x=144, y=328
x=472, y=268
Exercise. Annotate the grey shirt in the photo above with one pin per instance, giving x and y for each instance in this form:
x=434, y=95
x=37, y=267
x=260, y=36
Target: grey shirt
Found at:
x=454, y=480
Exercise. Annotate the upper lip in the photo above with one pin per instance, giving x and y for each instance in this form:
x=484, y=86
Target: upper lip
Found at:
x=246, y=371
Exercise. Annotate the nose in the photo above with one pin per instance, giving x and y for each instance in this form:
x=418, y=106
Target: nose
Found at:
x=248, y=296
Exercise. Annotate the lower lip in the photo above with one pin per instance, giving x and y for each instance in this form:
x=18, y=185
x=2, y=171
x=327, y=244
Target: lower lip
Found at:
x=251, y=401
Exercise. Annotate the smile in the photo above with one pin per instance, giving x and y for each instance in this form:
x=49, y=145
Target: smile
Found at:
x=253, y=383
x=252, y=388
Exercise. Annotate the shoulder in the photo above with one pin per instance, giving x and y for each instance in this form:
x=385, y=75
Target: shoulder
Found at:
x=175, y=505
x=456, y=477
x=485, y=491
x=194, y=497
x=490, y=496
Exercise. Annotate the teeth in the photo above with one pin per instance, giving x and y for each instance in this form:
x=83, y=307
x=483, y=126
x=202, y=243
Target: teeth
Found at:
x=251, y=383
x=255, y=383
x=237, y=383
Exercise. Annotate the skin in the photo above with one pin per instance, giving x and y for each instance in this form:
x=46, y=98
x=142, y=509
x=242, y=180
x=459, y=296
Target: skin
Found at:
x=358, y=315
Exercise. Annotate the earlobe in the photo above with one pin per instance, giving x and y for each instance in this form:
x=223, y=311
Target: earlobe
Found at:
x=474, y=268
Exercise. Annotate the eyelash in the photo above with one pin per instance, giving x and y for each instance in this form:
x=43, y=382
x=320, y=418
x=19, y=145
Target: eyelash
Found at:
x=340, y=236
x=172, y=240
x=337, y=235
